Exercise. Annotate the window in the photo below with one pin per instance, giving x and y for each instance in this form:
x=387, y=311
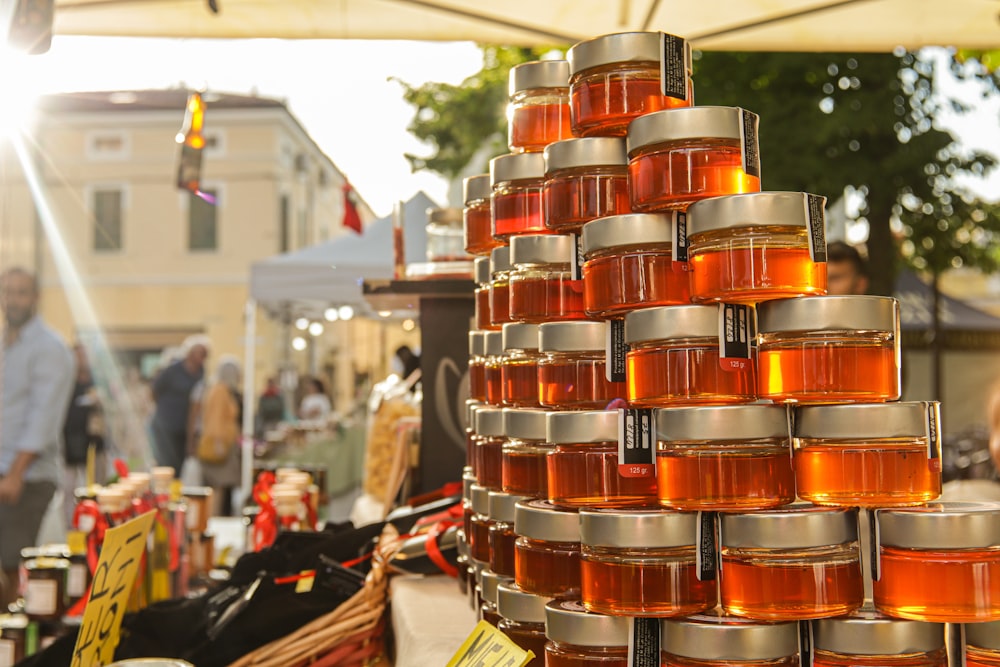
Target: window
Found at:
x=203, y=222
x=283, y=224
x=107, y=208
x=108, y=145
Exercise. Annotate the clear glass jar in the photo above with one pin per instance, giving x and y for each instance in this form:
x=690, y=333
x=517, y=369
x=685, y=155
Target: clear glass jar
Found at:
x=714, y=639
x=673, y=359
x=616, y=78
x=793, y=563
x=13, y=631
x=868, y=639
x=492, y=354
x=628, y=265
x=547, y=550
x=523, y=620
x=542, y=288
x=755, y=247
x=478, y=536
x=583, y=467
x=489, y=582
x=501, y=532
x=500, y=286
x=471, y=405
x=519, y=365
x=982, y=644
x=477, y=224
x=681, y=156
x=483, y=317
x=867, y=455
x=572, y=374
x=723, y=458
x=45, y=589
x=517, y=194
x=477, y=366
x=538, y=107
x=585, y=179
x=829, y=349
x=488, y=464
x=523, y=459
x=641, y=563
x=445, y=239
x=580, y=638
x=939, y=562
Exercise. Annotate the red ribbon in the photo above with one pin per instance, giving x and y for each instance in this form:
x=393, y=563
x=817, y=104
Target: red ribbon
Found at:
x=434, y=551
x=265, y=524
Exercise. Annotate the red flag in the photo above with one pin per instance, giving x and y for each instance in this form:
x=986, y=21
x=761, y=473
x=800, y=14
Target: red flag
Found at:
x=351, y=218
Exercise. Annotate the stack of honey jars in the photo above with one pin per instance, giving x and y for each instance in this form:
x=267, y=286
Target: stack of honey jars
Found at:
x=670, y=419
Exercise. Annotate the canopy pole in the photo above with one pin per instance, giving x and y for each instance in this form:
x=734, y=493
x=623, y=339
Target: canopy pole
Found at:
x=249, y=375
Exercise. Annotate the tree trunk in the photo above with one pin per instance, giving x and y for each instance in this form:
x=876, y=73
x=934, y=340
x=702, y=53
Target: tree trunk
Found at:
x=881, y=249
x=935, y=339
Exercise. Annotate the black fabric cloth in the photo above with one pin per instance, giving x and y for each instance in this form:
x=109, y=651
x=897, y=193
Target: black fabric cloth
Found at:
x=76, y=438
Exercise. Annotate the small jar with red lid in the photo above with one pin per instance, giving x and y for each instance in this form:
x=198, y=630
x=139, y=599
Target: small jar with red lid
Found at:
x=538, y=107
x=477, y=365
x=500, y=286
x=519, y=365
x=477, y=224
x=489, y=447
x=501, y=532
x=572, y=374
x=492, y=354
x=523, y=463
x=517, y=180
x=547, y=550
x=542, y=288
x=585, y=179
x=481, y=274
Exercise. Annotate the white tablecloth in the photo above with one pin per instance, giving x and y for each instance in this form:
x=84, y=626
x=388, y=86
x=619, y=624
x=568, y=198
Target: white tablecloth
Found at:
x=430, y=618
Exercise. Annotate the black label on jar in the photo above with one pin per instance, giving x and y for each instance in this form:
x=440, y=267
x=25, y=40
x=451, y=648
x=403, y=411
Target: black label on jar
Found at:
x=615, y=350
x=636, y=454
x=805, y=644
x=707, y=554
x=673, y=70
x=748, y=143
x=933, y=433
x=735, y=336
x=576, y=266
x=817, y=227
x=874, y=540
x=679, y=246
x=643, y=642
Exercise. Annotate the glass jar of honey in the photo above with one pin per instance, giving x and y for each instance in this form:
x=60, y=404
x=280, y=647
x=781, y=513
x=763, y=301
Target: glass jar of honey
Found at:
x=628, y=265
x=583, y=467
x=468, y=480
x=445, y=238
x=492, y=355
x=524, y=466
x=547, y=550
x=478, y=536
x=982, y=644
x=13, y=640
x=754, y=247
x=542, y=288
x=45, y=592
x=580, y=638
x=489, y=582
x=868, y=639
x=829, y=349
x=730, y=457
x=868, y=455
x=522, y=619
x=489, y=447
x=673, y=359
x=585, y=179
x=538, y=107
x=500, y=286
x=572, y=374
x=517, y=194
x=501, y=532
x=680, y=156
x=477, y=365
x=641, y=563
x=519, y=365
x=616, y=78
x=939, y=562
x=477, y=225
x=792, y=563
x=481, y=273
x=471, y=405
x=717, y=640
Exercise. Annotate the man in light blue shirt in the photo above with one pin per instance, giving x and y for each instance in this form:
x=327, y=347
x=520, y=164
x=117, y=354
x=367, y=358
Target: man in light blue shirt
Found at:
x=37, y=382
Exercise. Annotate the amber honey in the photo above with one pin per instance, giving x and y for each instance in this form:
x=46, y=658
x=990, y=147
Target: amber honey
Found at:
x=547, y=568
x=572, y=200
x=975, y=657
x=982, y=644
x=519, y=382
x=715, y=639
x=577, y=383
x=586, y=475
x=752, y=274
x=545, y=298
x=678, y=661
x=477, y=379
x=489, y=448
x=528, y=636
x=477, y=226
x=494, y=381
x=500, y=303
x=726, y=476
x=603, y=101
x=931, y=659
x=538, y=108
x=578, y=638
x=685, y=373
x=483, y=317
x=624, y=279
x=501, y=544
x=869, y=639
x=479, y=538
x=518, y=213
x=532, y=127
x=524, y=469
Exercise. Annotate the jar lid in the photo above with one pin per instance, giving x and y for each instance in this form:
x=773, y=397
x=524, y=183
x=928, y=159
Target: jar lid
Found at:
x=685, y=123
x=722, y=422
x=797, y=526
x=524, y=424
x=499, y=259
x=476, y=187
x=489, y=581
x=14, y=621
x=479, y=497
x=871, y=633
x=492, y=344
x=641, y=529
x=585, y=152
x=571, y=337
x=983, y=635
x=620, y=47
x=941, y=525
x=468, y=479
x=569, y=621
x=581, y=426
x=669, y=322
x=715, y=636
x=787, y=209
x=477, y=343
x=521, y=606
x=471, y=405
x=502, y=506
x=444, y=216
x=481, y=270
x=519, y=336
x=46, y=563
x=828, y=313
x=538, y=74
x=540, y=520
x=516, y=167
x=542, y=249
x=864, y=420
x=489, y=421
x=630, y=229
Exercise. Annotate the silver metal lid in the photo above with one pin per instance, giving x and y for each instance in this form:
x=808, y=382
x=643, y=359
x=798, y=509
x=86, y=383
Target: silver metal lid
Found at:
x=619, y=48
x=489, y=421
x=828, y=313
x=477, y=343
x=516, y=167
x=479, y=497
x=517, y=605
x=492, y=343
x=471, y=405
x=941, y=525
x=476, y=187
x=571, y=336
x=489, y=580
x=871, y=633
x=983, y=635
x=685, y=123
x=582, y=426
x=538, y=74
x=797, y=526
x=714, y=636
x=630, y=229
x=542, y=249
x=519, y=336
x=671, y=322
x=502, y=506
x=481, y=270
x=906, y=419
x=585, y=152
x=468, y=480
x=640, y=529
x=568, y=621
x=724, y=422
x=499, y=259
x=788, y=209
x=539, y=520
x=525, y=424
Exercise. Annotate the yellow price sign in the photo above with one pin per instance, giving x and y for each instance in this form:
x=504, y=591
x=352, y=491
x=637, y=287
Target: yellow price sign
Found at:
x=488, y=647
x=121, y=557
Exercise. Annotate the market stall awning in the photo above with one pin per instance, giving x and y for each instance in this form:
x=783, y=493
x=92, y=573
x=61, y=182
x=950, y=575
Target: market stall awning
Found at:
x=774, y=25
x=962, y=326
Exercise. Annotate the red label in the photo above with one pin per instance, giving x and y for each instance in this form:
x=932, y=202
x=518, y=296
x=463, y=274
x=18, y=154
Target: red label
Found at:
x=729, y=364
x=636, y=469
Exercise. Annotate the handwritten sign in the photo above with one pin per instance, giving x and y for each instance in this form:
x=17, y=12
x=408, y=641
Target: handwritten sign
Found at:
x=121, y=557
x=488, y=647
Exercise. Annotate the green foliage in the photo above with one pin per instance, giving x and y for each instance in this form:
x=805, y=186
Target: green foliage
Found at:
x=949, y=230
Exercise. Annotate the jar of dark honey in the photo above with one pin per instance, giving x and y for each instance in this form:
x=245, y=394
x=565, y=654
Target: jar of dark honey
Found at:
x=717, y=640
x=13, y=631
x=481, y=273
x=478, y=536
x=538, y=107
x=547, y=550
x=522, y=619
x=869, y=639
x=477, y=225
x=493, y=355
x=516, y=180
x=580, y=638
x=489, y=447
x=542, y=287
x=45, y=592
x=477, y=365
x=489, y=582
x=519, y=365
x=524, y=454
x=982, y=644
x=501, y=532
x=585, y=179
x=573, y=373
x=500, y=285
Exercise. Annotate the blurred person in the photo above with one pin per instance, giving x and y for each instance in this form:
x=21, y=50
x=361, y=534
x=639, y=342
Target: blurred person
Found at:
x=83, y=429
x=37, y=383
x=405, y=361
x=846, y=269
x=315, y=404
x=216, y=418
x=172, y=399
x=270, y=407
